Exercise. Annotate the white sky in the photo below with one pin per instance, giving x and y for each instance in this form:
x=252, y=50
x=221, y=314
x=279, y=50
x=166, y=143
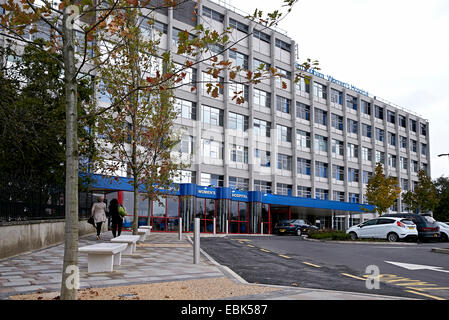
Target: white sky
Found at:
x=397, y=50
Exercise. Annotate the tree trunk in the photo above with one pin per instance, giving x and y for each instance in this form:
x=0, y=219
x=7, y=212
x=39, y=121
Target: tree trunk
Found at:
x=70, y=274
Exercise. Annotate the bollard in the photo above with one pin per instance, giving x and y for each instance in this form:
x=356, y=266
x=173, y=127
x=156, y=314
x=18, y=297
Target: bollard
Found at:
x=227, y=227
x=180, y=229
x=261, y=228
x=215, y=226
x=196, y=242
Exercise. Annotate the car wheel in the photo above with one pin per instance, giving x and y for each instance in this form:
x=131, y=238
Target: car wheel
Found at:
x=392, y=237
x=353, y=235
x=443, y=237
x=298, y=232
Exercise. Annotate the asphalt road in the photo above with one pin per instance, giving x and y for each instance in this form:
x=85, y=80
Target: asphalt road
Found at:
x=287, y=260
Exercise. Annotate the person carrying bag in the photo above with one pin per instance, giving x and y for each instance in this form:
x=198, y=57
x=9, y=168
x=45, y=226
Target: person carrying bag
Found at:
x=117, y=213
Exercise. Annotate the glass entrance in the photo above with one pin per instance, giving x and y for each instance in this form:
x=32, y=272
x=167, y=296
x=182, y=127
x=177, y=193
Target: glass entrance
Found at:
x=238, y=217
x=278, y=213
x=205, y=210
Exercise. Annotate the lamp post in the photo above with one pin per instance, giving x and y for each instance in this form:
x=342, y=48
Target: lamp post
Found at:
x=443, y=154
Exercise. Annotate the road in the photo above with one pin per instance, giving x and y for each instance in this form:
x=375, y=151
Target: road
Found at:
x=290, y=261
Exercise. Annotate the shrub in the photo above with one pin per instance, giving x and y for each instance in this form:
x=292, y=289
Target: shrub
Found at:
x=329, y=234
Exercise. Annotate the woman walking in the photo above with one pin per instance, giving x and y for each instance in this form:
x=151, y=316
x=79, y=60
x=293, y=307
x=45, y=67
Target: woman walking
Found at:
x=99, y=214
x=117, y=220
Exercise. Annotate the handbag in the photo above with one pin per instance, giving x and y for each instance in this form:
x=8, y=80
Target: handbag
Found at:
x=91, y=221
x=122, y=212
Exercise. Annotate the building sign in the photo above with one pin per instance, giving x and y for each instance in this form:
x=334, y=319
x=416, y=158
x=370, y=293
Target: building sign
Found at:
x=239, y=195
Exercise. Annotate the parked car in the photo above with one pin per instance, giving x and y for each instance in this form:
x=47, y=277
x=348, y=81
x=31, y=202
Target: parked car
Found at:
x=444, y=231
x=295, y=226
x=391, y=229
x=427, y=226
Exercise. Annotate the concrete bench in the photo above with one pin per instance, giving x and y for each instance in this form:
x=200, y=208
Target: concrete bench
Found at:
x=130, y=240
x=102, y=257
x=143, y=234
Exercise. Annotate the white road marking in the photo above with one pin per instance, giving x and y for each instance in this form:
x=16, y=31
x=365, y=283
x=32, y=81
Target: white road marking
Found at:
x=411, y=266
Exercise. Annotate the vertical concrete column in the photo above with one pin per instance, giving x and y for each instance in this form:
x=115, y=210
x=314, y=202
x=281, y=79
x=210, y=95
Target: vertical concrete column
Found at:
x=196, y=241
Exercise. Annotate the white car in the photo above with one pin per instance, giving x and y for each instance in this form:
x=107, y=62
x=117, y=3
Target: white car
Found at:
x=391, y=229
x=444, y=231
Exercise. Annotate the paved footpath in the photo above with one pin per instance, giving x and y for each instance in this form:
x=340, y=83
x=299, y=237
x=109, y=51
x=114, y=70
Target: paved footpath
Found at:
x=161, y=258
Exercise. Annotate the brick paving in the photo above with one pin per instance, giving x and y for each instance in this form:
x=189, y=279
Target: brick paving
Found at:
x=152, y=262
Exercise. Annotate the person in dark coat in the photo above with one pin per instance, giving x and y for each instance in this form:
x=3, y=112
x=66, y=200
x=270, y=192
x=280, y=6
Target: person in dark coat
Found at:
x=117, y=220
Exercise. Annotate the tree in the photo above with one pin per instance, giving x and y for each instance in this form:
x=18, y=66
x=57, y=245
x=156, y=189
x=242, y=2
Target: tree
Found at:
x=90, y=17
x=381, y=191
x=424, y=197
x=441, y=212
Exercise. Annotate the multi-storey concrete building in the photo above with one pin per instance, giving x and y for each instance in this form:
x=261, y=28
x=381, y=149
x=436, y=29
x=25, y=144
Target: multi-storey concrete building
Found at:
x=305, y=151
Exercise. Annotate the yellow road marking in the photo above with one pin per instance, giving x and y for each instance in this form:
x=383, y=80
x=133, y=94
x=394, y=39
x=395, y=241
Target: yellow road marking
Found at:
x=425, y=295
x=351, y=276
x=311, y=264
x=265, y=250
x=250, y=245
x=286, y=257
x=425, y=289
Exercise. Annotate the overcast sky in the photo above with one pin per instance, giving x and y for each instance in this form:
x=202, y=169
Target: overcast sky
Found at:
x=397, y=50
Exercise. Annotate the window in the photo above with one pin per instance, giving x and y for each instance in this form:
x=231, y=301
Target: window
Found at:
x=367, y=154
x=212, y=149
x=414, y=166
x=304, y=192
x=366, y=175
x=148, y=25
x=413, y=145
x=366, y=130
x=186, y=144
x=263, y=156
x=302, y=139
x=336, y=96
x=354, y=197
x=284, y=189
x=239, y=154
x=175, y=36
x=338, y=172
x=260, y=65
x=321, y=194
x=238, y=25
x=319, y=90
x=320, y=143
x=208, y=80
x=353, y=175
x=261, y=36
x=262, y=128
x=424, y=149
x=238, y=90
x=184, y=176
x=302, y=111
x=190, y=76
x=380, y=157
x=352, y=151
x=402, y=121
x=320, y=116
x=240, y=59
x=186, y=109
x=412, y=125
x=238, y=183
x=403, y=142
x=238, y=122
x=379, y=112
x=403, y=163
x=320, y=169
x=263, y=186
x=365, y=107
x=423, y=129
x=303, y=85
x=208, y=179
x=352, y=126
x=379, y=134
x=337, y=147
x=284, y=133
x=212, y=115
x=283, y=45
x=391, y=139
x=212, y=14
x=303, y=166
x=339, y=196
x=404, y=184
x=284, y=162
x=392, y=160
x=337, y=122
x=351, y=102
x=262, y=98
x=283, y=104
x=391, y=116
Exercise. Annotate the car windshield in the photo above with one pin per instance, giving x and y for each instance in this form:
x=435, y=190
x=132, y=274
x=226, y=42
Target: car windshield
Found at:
x=429, y=219
x=406, y=221
x=286, y=221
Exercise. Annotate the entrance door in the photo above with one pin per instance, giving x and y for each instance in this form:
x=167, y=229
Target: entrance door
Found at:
x=279, y=213
x=205, y=210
